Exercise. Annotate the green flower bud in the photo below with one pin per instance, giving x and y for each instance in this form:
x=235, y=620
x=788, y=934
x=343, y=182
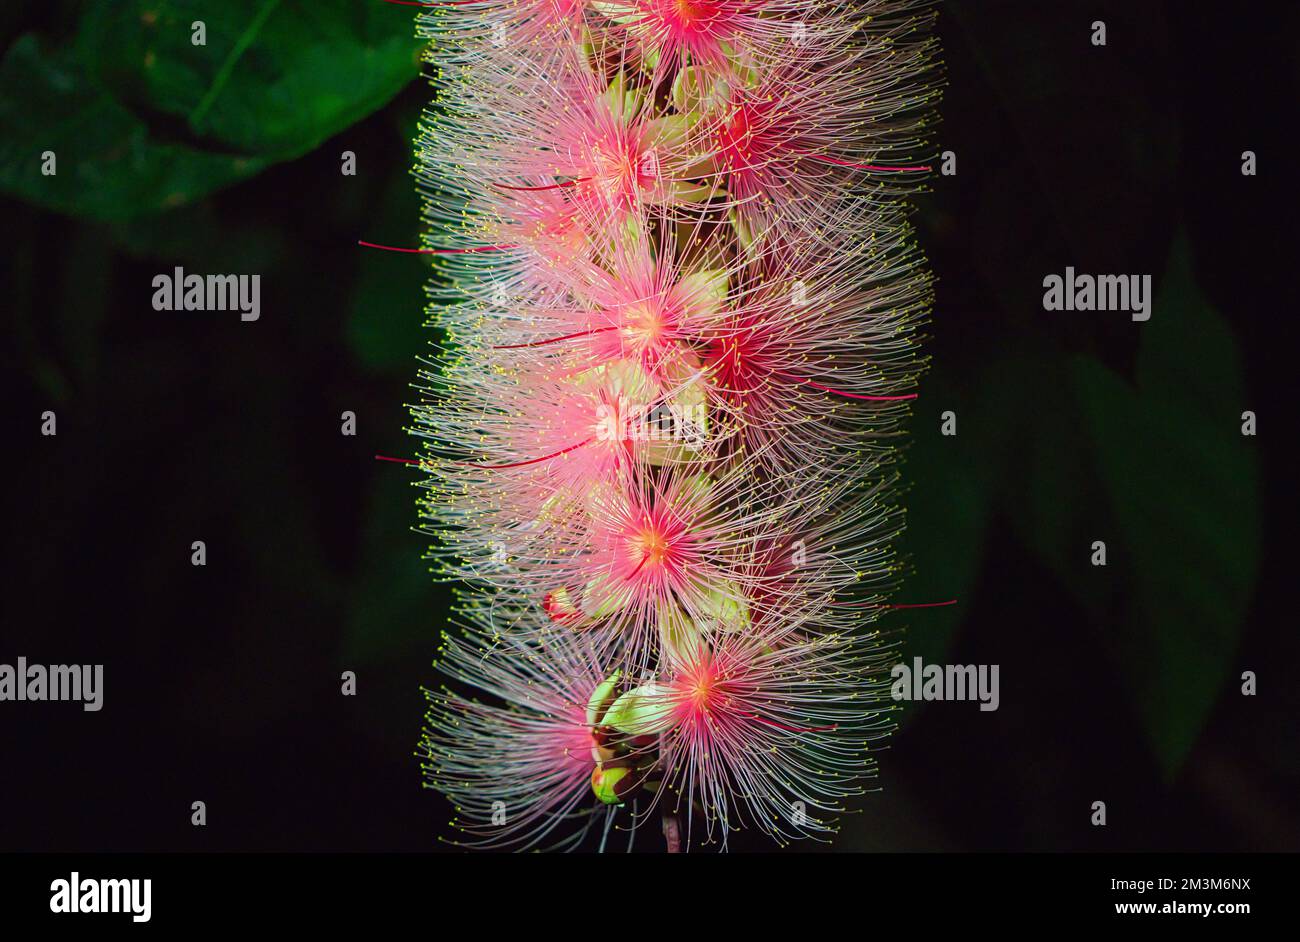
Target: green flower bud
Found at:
x=603, y=597
x=642, y=711
x=695, y=92
x=612, y=786
x=679, y=639
x=601, y=698
x=726, y=607
x=623, y=103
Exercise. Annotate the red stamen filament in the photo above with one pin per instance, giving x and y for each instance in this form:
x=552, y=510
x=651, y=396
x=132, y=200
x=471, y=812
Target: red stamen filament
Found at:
x=849, y=395
x=542, y=343
x=432, y=3
x=535, y=189
x=520, y=464
x=644, y=559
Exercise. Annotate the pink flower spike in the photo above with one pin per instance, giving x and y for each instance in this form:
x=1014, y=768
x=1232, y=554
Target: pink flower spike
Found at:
x=679, y=319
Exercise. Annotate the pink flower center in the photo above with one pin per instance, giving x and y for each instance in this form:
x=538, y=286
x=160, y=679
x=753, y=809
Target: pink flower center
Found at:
x=645, y=323
x=695, y=26
x=651, y=546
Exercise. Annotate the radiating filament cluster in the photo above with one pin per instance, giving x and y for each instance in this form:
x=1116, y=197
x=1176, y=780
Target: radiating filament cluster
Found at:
x=679, y=314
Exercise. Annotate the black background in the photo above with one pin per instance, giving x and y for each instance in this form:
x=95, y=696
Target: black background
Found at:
x=222, y=682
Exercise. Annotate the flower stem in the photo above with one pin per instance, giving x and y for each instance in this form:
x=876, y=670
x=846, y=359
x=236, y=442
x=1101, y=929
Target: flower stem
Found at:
x=672, y=833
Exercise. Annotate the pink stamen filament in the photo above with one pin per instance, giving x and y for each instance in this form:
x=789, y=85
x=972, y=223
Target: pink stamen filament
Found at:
x=466, y=251
x=789, y=729
x=877, y=167
x=909, y=605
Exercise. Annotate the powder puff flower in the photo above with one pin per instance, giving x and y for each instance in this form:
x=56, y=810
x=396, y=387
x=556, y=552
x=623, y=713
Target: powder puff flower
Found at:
x=679, y=304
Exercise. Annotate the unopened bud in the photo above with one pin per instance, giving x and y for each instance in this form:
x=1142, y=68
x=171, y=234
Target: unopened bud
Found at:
x=644, y=711
x=613, y=786
x=559, y=606
x=605, y=693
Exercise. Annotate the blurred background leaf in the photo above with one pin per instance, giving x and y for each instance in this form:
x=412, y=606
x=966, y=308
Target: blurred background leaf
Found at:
x=275, y=77
x=1182, y=482
x=383, y=326
x=954, y=481
x=142, y=119
x=393, y=613
x=109, y=163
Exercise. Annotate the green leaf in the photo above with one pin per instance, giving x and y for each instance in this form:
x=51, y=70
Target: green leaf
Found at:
x=275, y=77
x=109, y=164
x=1183, y=487
x=141, y=119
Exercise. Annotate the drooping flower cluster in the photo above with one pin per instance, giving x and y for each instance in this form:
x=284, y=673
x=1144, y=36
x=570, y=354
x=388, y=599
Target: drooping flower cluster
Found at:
x=679, y=304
